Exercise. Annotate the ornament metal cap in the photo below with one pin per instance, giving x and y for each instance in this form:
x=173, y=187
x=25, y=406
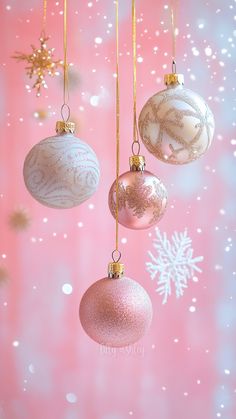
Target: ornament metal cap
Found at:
x=65, y=126
x=115, y=270
x=137, y=163
x=173, y=78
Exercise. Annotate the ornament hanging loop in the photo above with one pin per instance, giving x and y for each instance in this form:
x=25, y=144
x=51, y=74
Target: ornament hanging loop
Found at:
x=174, y=67
x=137, y=151
x=65, y=112
x=116, y=255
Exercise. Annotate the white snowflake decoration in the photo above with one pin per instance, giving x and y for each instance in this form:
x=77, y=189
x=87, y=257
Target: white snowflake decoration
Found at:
x=174, y=263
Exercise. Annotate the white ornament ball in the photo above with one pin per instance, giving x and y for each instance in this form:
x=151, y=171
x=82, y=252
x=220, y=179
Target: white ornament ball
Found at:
x=61, y=171
x=176, y=125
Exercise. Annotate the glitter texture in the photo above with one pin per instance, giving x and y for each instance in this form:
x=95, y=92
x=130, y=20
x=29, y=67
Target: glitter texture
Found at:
x=61, y=171
x=142, y=199
x=176, y=125
x=115, y=312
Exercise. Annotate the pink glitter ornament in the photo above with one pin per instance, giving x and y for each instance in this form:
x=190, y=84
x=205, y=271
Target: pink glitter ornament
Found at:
x=115, y=311
x=142, y=197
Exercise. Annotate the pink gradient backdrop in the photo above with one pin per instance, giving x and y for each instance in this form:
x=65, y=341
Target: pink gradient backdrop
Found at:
x=185, y=366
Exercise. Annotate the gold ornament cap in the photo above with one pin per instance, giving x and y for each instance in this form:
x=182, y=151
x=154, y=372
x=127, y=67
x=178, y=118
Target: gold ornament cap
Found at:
x=173, y=78
x=137, y=163
x=116, y=270
x=65, y=126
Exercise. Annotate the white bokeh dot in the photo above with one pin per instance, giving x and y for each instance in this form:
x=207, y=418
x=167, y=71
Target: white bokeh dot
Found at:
x=67, y=289
x=71, y=397
x=98, y=40
x=192, y=309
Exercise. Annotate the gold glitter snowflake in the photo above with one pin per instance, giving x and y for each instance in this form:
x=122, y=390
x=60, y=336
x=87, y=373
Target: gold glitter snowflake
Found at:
x=40, y=63
x=19, y=220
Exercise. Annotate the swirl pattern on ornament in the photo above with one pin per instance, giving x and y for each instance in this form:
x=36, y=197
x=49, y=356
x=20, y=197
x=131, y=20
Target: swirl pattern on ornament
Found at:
x=61, y=171
x=176, y=125
x=142, y=199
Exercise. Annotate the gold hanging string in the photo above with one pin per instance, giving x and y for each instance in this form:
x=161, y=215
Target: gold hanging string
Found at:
x=173, y=11
x=44, y=14
x=134, y=47
x=116, y=251
x=65, y=106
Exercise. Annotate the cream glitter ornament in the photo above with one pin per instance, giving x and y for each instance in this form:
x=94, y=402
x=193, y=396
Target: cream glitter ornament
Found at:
x=176, y=125
x=61, y=171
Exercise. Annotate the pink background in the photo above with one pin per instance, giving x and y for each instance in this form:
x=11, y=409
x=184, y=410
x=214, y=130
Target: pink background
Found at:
x=185, y=366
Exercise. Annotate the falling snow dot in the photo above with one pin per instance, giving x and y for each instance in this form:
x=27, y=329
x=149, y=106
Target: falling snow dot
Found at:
x=15, y=343
x=80, y=224
x=227, y=372
x=98, y=40
x=195, y=51
x=192, y=309
x=71, y=397
x=31, y=368
x=208, y=51
x=67, y=289
x=140, y=59
x=45, y=220
x=124, y=240
x=94, y=101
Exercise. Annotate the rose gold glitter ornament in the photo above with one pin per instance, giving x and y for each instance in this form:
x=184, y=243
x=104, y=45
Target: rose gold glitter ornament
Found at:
x=115, y=311
x=142, y=197
x=176, y=125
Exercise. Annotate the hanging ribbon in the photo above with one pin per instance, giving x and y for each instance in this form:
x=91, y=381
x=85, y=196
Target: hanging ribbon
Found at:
x=173, y=11
x=44, y=14
x=134, y=47
x=117, y=129
x=65, y=107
